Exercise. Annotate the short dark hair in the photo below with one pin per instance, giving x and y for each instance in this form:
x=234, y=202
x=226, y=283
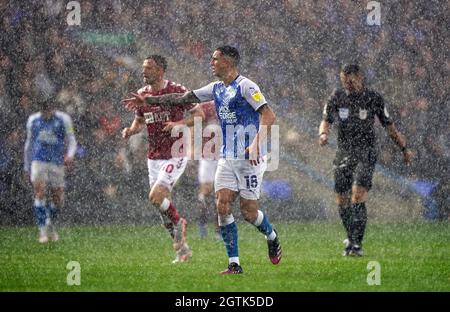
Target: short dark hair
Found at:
x=231, y=52
x=42, y=99
x=351, y=69
x=159, y=60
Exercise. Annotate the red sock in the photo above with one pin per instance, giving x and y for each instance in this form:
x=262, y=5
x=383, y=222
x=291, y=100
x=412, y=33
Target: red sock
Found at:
x=172, y=213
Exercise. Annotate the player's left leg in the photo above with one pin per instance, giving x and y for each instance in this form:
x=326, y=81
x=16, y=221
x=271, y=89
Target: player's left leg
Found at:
x=39, y=180
x=53, y=208
x=56, y=199
x=39, y=189
x=251, y=214
x=359, y=218
x=250, y=180
x=160, y=197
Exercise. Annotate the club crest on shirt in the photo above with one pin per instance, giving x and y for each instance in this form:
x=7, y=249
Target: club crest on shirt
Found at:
x=343, y=112
x=47, y=136
x=228, y=95
x=362, y=114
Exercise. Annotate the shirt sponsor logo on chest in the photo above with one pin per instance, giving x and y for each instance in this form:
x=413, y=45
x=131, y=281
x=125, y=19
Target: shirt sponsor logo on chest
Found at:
x=152, y=117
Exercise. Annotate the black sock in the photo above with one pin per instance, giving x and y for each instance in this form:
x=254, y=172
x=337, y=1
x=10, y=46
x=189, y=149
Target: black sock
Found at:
x=358, y=223
x=345, y=213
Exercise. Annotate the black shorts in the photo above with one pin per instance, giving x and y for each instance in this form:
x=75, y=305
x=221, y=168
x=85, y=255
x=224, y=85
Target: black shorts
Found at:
x=353, y=168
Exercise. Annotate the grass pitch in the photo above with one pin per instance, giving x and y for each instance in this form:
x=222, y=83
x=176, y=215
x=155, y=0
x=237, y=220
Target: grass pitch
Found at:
x=412, y=257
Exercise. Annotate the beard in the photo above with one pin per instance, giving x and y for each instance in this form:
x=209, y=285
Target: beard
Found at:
x=147, y=80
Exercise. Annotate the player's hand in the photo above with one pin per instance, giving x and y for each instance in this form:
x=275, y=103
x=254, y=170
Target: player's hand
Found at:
x=253, y=154
x=408, y=156
x=168, y=126
x=126, y=133
x=323, y=139
x=135, y=102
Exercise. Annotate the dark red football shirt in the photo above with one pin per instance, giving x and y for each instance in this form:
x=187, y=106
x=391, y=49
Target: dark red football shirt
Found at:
x=160, y=142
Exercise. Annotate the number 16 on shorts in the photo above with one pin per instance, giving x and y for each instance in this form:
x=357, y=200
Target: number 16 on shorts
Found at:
x=251, y=181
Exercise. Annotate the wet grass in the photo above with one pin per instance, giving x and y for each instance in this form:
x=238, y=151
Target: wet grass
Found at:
x=412, y=257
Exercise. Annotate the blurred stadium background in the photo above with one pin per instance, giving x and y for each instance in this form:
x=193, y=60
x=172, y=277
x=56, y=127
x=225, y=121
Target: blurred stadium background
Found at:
x=292, y=49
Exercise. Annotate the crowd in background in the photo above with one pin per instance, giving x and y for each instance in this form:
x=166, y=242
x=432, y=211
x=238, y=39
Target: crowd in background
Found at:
x=293, y=49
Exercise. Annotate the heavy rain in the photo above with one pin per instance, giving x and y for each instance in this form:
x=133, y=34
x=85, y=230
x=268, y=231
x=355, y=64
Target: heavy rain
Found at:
x=87, y=56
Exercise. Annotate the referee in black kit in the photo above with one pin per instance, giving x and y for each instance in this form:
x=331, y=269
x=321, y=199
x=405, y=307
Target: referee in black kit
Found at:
x=354, y=108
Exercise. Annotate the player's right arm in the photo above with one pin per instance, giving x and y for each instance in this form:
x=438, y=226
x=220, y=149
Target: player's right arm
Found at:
x=173, y=99
x=136, y=127
x=327, y=119
x=200, y=95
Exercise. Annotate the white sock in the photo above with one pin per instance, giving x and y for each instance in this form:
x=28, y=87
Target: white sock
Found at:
x=43, y=231
x=259, y=218
x=272, y=235
x=225, y=220
x=233, y=259
x=164, y=205
x=39, y=203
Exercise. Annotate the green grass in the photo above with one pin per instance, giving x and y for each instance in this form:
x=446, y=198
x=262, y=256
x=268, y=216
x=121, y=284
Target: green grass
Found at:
x=413, y=257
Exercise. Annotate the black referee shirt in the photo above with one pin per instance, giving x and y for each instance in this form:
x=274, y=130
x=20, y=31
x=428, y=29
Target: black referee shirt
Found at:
x=355, y=117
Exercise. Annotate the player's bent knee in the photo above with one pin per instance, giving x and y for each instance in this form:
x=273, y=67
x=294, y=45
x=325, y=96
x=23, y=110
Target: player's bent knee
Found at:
x=157, y=195
x=223, y=207
x=359, y=194
x=249, y=209
x=249, y=216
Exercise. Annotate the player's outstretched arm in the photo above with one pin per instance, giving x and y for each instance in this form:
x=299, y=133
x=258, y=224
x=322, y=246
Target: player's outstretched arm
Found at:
x=167, y=99
x=400, y=140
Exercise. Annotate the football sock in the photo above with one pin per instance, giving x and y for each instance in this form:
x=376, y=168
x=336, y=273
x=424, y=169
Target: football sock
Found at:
x=359, y=220
x=167, y=224
x=345, y=212
x=229, y=231
x=169, y=210
x=203, y=209
x=39, y=210
x=263, y=225
x=52, y=210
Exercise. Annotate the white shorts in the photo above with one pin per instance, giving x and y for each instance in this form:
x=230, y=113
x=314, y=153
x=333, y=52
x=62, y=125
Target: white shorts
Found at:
x=206, y=171
x=240, y=176
x=165, y=172
x=50, y=173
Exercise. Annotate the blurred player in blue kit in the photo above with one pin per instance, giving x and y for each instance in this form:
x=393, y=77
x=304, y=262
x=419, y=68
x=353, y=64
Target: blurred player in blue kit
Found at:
x=50, y=145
